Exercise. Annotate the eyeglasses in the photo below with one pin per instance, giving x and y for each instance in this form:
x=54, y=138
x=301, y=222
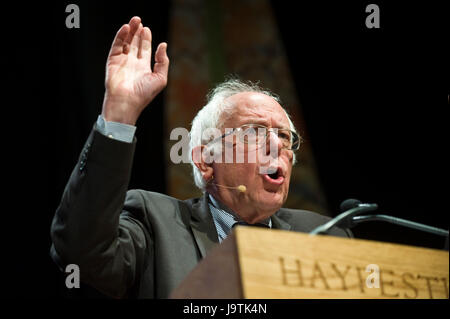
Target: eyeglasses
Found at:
x=255, y=134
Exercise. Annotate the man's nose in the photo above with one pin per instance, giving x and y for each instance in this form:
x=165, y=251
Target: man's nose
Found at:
x=272, y=140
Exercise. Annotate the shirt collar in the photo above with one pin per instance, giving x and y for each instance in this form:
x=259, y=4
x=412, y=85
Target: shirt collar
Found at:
x=224, y=218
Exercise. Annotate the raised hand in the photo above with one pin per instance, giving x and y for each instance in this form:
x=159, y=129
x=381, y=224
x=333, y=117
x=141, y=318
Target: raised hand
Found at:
x=130, y=82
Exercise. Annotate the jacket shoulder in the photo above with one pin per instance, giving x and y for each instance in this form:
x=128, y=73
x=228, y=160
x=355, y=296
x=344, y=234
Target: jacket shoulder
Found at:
x=153, y=207
x=305, y=221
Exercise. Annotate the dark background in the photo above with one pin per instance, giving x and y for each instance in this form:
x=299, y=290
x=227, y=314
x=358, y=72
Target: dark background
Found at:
x=373, y=102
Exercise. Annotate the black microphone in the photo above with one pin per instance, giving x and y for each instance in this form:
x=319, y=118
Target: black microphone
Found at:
x=349, y=207
x=349, y=204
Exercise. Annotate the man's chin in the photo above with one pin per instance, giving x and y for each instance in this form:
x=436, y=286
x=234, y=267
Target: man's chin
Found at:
x=272, y=201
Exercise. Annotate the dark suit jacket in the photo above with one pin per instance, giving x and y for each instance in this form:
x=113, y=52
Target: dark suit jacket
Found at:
x=136, y=243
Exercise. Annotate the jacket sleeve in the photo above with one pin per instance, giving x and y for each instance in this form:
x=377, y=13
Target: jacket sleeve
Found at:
x=97, y=226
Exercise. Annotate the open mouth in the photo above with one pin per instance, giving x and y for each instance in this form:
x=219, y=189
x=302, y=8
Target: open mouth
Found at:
x=275, y=177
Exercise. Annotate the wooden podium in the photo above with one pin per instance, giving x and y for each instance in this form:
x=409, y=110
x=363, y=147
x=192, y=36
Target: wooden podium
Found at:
x=260, y=263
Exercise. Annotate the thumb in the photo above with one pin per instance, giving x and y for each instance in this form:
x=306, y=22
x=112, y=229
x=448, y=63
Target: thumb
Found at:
x=161, y=60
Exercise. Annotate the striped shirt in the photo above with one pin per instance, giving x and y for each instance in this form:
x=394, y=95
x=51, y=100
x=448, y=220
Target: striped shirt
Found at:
x=224, y=218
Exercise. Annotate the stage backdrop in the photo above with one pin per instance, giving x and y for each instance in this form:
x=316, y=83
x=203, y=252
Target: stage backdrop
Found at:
x=211, y=39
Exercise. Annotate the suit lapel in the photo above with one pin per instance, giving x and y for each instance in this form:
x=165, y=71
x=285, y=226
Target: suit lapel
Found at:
x=278, y=223
x=202, y=226
x=204, y=230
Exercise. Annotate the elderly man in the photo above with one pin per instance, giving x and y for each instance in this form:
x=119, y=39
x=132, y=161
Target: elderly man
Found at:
x=142, y=244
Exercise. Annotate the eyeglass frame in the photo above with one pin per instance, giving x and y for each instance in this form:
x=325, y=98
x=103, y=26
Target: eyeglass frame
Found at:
x=268, y=130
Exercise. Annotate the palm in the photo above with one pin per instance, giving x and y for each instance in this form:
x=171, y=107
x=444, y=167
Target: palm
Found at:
x=129, y=76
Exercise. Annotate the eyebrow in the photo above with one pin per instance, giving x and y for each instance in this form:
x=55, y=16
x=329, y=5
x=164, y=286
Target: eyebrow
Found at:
x=262, y=122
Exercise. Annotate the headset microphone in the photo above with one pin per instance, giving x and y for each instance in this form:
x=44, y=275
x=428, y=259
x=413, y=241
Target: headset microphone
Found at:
x=240, y=188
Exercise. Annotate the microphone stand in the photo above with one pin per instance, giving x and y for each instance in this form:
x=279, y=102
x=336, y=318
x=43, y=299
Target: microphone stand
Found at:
x=349, y=219
x=399, y=221
x=344, y=219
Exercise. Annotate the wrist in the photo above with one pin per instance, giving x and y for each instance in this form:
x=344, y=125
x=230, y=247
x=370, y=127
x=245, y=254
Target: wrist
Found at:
x=118, y=109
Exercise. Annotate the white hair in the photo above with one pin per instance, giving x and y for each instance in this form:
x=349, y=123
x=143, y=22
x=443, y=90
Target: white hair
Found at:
x=213, y=113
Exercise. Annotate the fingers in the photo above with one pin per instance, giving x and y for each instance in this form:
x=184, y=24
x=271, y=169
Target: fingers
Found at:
x=119, y=40
x=145, y=49
x=133, y=38
x=161, y=60
x=134, y=24
x=136, y=41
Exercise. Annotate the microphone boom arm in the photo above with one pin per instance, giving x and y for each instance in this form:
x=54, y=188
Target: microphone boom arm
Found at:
x=343, y=218
x=401, y=222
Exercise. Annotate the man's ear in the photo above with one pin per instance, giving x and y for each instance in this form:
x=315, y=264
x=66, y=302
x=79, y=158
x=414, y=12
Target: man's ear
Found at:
x=205, y=167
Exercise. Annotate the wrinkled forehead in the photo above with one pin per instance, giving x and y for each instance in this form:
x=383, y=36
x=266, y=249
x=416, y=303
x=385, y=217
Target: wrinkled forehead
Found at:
x=251, y=107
